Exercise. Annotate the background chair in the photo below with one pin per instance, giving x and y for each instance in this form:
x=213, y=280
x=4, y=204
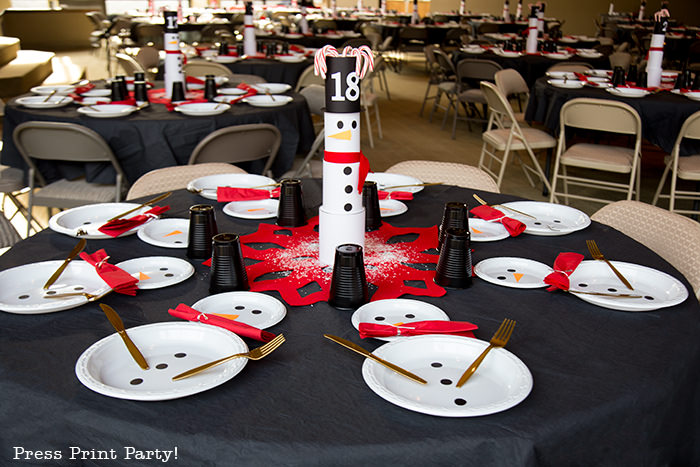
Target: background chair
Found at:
x=11, y=185
x=149, y=59
x=8, y=234
x=434, y=74
x=149, y=34
x=683, y=168
x=446, y=87
x=204, y=67
x=370, y=100
x=599, y=115
x=512, y=84
x=129, y=64
x=470, y=72
x=239, y=143
x=576, y=67
x=450, y=173
x=308, y=77
x=65, y=142
x=237, y=78
x=315, y=96
x=176, y=177
x=673, y=237
x=504, y=134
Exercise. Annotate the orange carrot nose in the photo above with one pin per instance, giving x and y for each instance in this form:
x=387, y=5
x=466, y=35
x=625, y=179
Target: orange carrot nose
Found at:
x=346, y=135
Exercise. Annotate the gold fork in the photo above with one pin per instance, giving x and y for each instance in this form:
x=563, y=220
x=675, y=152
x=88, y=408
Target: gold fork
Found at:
x=499, y=339
x=596, y=254
x=255, y=354
x=90, y=297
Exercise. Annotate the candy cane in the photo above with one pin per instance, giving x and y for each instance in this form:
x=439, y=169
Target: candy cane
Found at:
x=363, y=55
x=320, y=67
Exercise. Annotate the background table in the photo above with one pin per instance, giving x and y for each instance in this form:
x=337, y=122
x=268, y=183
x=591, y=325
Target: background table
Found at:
x=610, y=388
x=153, y=137
x=662, y=114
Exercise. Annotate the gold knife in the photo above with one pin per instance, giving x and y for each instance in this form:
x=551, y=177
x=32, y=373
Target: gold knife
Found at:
x=356, y=348
x=116, y=321
x=147, y=203
x=74, y=252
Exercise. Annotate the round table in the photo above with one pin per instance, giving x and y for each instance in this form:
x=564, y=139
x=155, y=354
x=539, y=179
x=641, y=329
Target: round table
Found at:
x=610, y=388
x=154, y=137
x=662, y=113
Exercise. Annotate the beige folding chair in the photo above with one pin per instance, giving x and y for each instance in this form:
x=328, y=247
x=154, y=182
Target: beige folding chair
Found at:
x=315, y=96
x=435, y=76
x=149, y=59
x=446, y=87
x=237, y=78
x=308, y=77
x=620, y=58
x=8, y=234
x=176, y=177
x=600, y=115
x=204, y=67
x=576, y=67
x=12, y=184
x=59, y=141
x=512, y=84
x=673, y=237
x=129, y=64
x=449, y=173
x=239, y=143
x=369, y=100
x=504, y=134
x=683, y=168
x=469, y=72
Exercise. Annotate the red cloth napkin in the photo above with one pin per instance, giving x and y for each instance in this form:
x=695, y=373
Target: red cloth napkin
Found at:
x=129, y=101
x=296, y=48
x=513, y=226
x=185, y=312
x=402, y=195
x=193, y=80
x=564, y=265
x=250, y=91
x=82, y=89
x=118, y=279
x=417, y=328
x=171, y=107
x=118, y=226
x=225, y=194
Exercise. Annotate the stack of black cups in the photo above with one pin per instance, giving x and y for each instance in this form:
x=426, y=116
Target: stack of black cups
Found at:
x=290, y=212
x=370, y=200
x=227, y=267
x=455, y=215
x=202, y=228
x=209, y=88
x=140, y=91
x=118, y=86
x=454, y=267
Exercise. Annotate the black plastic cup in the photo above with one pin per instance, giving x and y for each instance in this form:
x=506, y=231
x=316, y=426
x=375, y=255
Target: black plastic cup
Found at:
x=455, y=216
x=348, y=284
x=370, y=200
x=642, y=79
x=454, y=267
x=140, y=91
x=290, y=212
x=122, y=83
x=632, y=74
x=117, y=91
x=209, y=88
x=618, y=78
x=223, y=48
x=227, y=267
x=239, y=49
x=202, y=228
x=178, y=92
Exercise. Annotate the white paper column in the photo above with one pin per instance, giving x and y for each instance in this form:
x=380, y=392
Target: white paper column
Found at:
x=540, y=17
x=173, y=67
x=506, y=11
x=656, y=52
x=519, y=11
x=462, y=7
x=531, y=44
x=249, y=46
x=642, y=6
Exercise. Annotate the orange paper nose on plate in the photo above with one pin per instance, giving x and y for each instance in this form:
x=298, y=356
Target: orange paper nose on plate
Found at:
x=518, y=276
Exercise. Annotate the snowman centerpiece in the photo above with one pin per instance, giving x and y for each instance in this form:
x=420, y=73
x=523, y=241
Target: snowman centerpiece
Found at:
x=342, y=216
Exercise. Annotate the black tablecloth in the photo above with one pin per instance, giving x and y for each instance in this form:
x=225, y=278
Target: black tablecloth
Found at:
x=610, y=388
x=662, y=114
x=530, y=67
x=272, y=70
x=153, y=137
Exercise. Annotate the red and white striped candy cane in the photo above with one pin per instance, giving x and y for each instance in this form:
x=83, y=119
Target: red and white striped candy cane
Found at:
x=320, y=67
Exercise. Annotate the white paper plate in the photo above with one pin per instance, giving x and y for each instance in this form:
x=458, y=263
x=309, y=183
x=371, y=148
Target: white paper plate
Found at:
x=396, y=311
x=485, y=231
x=95, y=100
x=155, y=272
x=692, y=95
x=519, y=273
x=106, y=367
x=91, y=217
x=391, y=207
x=558, y=55
x=272, y=88
x=589, y=54
x=225, y=59
x=599, y=85
x=202, y=109
x=60, y=89
x=252, y=308
x=551, y=218
x=501, y=382
x=232, y=91
x=262, y=100
x=97, y=93
x=166, y=233
x=291, y=58
x=507, y=53
x=566, y=83
x=211, y=182
x=107, y=110
x=40, y=102
x=259, y=209
x=658, y=289
x=601, y=73
x=22, y=287
x=219, y=80
x=628, y=92
x=562, y=75
x=474, y=50
x=387, y=180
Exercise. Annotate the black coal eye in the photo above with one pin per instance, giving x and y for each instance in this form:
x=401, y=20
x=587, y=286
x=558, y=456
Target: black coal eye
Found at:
x=354, y=124
x=340, y=125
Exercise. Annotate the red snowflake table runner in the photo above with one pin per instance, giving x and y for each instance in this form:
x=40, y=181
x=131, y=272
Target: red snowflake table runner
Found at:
x=288, y=262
